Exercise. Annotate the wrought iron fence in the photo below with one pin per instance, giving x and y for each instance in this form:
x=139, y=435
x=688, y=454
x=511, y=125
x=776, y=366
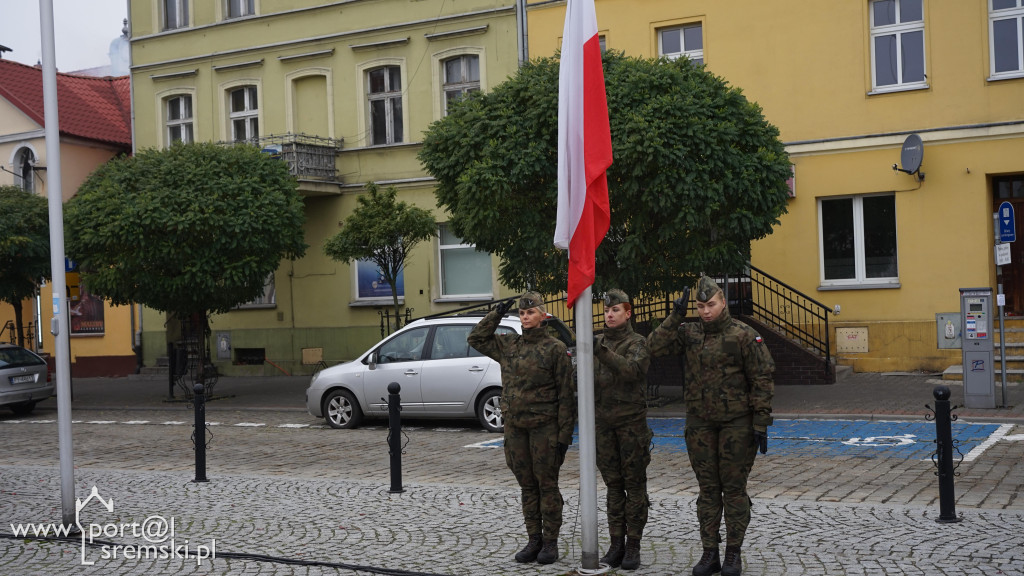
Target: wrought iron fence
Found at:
x=9, y=328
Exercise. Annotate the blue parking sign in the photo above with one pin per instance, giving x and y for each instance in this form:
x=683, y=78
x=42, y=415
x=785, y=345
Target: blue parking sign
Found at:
x=1007, y=227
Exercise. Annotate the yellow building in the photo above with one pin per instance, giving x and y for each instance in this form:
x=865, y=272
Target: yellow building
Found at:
x=343, y=92
x=94, y=127
x=848, y=82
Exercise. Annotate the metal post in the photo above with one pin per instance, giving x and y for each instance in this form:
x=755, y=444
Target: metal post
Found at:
x=395, y=436
x=944, y=451
x=200, y=432
x=58, y=284
x=1001, y=299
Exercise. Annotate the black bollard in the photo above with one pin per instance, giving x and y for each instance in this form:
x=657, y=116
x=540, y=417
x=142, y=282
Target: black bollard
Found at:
x=394, y=436
x=171, y=372
x=944, y=450
x=199, y=436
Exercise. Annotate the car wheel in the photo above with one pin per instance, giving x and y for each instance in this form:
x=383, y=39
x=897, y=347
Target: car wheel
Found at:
x=488, y=411
x=24, y=408
x=341, y=410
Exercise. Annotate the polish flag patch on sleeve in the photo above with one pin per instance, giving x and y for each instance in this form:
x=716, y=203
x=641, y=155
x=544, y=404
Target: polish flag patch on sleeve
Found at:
x=758, y=339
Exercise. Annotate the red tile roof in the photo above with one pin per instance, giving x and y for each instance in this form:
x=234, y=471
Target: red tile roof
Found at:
x=91, y=108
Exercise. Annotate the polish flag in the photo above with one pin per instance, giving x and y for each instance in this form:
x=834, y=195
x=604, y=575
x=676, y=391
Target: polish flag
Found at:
x=584, y=146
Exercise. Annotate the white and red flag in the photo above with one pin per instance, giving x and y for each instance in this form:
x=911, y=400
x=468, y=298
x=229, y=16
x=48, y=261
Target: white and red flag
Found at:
x=584, y=146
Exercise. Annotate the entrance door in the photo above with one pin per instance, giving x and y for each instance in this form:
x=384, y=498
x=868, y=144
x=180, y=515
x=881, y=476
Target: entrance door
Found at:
x=1011, y=189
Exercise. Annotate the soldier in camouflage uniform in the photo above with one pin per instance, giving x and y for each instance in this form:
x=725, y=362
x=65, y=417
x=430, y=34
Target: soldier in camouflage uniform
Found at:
x=538, y=405
x=728, y=396
x=623, y=437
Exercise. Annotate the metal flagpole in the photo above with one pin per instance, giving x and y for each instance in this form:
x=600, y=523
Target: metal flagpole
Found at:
x=588, y=445
x=60, y=322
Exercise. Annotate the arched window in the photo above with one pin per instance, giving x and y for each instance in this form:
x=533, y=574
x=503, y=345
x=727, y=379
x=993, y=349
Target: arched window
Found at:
x=24, y=161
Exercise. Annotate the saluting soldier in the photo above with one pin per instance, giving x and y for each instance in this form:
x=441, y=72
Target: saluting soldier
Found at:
x=728, y=395
x=623, y=436
x=538, y=405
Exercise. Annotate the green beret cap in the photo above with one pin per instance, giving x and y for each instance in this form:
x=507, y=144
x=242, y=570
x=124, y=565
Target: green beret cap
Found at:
x=706, y=289
x=531, y=300
x=615, y=296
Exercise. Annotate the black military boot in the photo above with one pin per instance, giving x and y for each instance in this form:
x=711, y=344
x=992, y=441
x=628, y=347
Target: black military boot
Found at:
x=549, y=553
x=733, y=565
x=631, y=561
x=708, y=564
x=615, y=552
x=530, y=551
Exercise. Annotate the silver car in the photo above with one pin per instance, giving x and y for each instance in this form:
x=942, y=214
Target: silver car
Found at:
x=441, y=376
x=24, y=379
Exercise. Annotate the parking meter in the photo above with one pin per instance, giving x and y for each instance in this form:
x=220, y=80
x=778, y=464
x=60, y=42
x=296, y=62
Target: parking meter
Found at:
x=977, y=344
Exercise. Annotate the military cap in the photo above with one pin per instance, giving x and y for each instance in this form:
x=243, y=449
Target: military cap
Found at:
x=531, y=300
x=706, y=289
x=615, y=296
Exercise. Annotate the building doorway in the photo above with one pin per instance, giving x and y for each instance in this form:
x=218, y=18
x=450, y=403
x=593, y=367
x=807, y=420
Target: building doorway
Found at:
x=1011, y=189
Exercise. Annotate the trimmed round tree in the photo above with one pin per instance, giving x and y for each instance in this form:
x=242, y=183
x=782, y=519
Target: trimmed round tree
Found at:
x=191, y=230
x=697, y=174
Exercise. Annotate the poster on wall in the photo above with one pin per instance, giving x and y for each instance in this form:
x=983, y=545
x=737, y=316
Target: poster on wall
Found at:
x=370, y=282
x=86, y=313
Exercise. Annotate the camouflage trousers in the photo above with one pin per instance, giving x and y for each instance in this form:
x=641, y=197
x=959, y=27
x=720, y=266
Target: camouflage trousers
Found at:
x=532, y=455
x=623, y=453
x=721, y=454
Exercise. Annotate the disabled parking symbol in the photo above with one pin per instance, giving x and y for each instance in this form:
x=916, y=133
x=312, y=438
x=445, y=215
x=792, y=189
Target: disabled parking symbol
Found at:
x=897, y=440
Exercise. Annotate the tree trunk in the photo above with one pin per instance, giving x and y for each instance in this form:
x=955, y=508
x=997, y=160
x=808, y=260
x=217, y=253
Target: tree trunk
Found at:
x=398, y=317
x=17, y=325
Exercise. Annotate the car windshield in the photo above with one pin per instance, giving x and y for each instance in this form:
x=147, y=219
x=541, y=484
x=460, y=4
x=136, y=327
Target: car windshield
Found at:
x=18, y=357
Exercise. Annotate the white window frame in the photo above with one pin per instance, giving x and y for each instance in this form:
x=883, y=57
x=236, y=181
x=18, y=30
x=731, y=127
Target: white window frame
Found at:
x=462, y=86
x=860, y=279
x=185, y=124
x=695, y=55
x=248, y=115
x=245, y=8
x=389, y=96
x=181, y=14
x=1016, y=14
x=899, y=29
x=441, y=249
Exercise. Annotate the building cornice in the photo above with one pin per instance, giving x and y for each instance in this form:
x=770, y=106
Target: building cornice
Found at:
x=302, y=41
x=936, y=135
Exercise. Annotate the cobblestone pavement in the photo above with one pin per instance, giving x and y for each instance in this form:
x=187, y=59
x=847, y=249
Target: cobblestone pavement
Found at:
x=318, y=495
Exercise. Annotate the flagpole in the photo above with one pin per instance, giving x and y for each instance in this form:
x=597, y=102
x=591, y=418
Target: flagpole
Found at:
x=588, y=446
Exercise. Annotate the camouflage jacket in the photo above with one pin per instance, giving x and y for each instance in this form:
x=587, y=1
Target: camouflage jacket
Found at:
x=728, y=367
x=536, y=376
x=620, y=376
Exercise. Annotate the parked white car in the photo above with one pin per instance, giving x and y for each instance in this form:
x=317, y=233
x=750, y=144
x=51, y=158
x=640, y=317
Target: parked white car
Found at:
x=440, y=374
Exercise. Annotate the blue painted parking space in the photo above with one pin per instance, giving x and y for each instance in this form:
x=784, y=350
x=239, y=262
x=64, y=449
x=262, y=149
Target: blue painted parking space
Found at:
x=831, y=438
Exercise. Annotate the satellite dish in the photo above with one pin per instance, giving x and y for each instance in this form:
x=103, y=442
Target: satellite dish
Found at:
x=911, y=156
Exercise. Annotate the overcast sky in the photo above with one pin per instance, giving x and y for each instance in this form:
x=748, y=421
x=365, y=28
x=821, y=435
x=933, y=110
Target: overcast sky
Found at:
x=83, y=30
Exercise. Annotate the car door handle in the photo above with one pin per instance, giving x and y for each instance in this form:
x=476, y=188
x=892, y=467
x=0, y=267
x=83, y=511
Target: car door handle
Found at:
x=476, y=369
x=411, y=372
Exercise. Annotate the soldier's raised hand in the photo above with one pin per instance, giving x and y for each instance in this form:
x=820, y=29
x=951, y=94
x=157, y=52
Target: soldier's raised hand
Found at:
x=503, y=307
x=682, y=303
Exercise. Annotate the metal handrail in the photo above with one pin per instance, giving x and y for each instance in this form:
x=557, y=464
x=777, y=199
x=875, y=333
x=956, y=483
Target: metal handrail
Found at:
x=753, y=293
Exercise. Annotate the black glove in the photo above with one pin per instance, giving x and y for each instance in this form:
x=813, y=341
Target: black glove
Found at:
x=562, y=449
x=503, y=307
x=597, y=344
x=682, y=303
x=761, y=440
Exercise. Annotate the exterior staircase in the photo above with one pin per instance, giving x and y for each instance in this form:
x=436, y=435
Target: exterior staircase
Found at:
x=1014, y=354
